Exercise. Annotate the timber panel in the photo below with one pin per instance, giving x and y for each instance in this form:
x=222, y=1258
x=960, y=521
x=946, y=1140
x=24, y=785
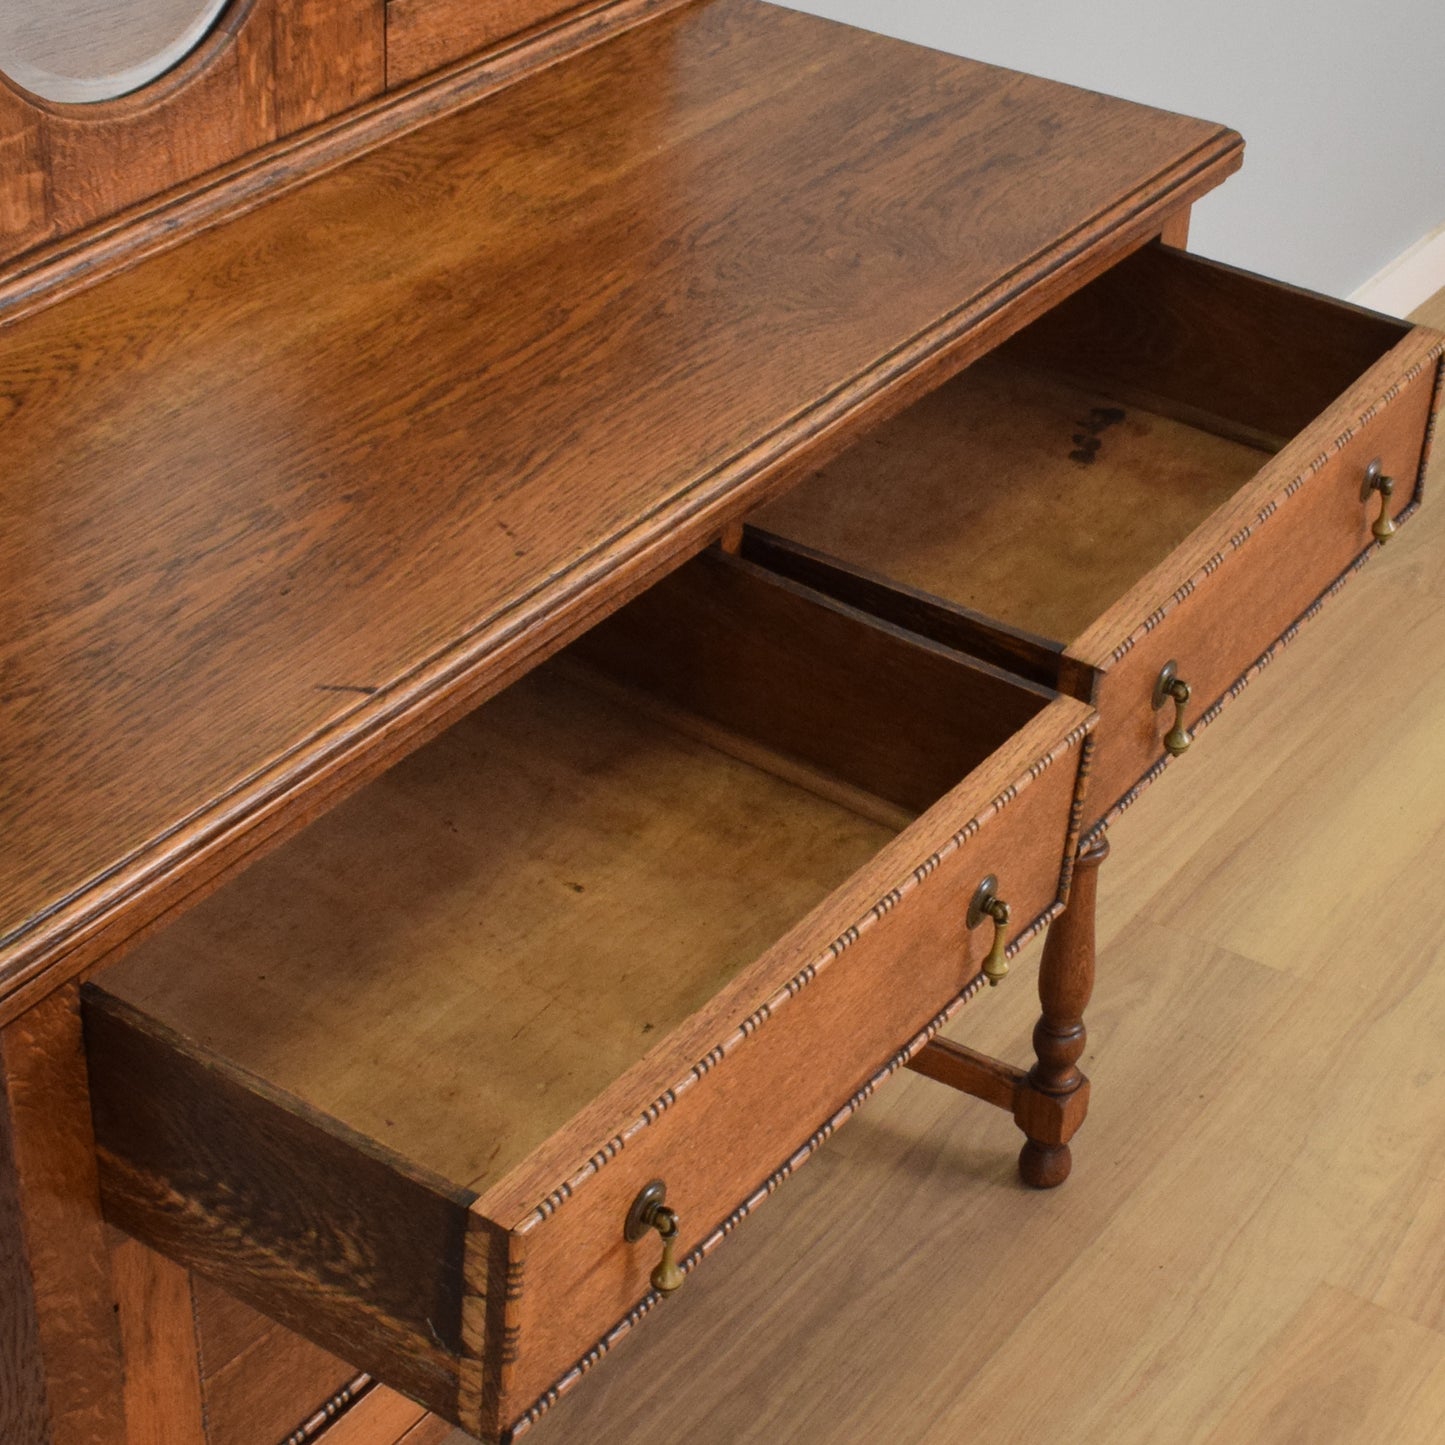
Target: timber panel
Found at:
x=1092, y=487
x=385, y=460
x=258, y=1123
x=423, y=35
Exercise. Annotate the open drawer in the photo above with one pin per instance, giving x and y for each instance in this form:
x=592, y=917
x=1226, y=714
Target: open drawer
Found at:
x=1174, y=466
x=667, y=909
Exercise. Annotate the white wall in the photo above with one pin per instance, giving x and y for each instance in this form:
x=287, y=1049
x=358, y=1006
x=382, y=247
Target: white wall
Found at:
x=1341, y=104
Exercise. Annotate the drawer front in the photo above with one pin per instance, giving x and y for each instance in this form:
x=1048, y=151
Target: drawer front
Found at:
x=311, y=1090
x=1166, y=466
x=866, y=995
x=485, y=1309
x=1230, y=616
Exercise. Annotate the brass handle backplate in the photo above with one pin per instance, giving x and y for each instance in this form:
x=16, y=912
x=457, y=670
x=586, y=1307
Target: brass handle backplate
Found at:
x=1376, y=481
x=649, y=1212
x=1170, y=687
x=987, y=904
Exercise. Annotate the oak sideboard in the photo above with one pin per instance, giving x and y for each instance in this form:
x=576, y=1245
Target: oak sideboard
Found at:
x=579, y=578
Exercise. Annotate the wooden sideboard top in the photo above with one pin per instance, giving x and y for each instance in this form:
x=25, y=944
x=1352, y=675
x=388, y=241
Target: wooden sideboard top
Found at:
x=285, y=497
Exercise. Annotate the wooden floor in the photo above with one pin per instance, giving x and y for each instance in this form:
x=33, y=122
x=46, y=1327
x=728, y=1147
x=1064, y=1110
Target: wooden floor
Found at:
x=1257, y=1259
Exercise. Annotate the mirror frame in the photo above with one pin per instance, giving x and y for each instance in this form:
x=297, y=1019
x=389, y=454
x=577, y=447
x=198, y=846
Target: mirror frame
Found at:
x=82, y=90
x=78, y=181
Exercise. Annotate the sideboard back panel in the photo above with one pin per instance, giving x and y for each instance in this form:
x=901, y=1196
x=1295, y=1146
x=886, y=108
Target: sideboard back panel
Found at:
x=423, y=35
x=269, y=69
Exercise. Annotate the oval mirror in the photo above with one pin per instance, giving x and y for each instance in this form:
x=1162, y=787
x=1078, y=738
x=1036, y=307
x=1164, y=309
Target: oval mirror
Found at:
x=89, y=50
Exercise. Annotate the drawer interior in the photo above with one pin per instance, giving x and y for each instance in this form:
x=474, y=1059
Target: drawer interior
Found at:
x=461, y=957
x=1036, y=488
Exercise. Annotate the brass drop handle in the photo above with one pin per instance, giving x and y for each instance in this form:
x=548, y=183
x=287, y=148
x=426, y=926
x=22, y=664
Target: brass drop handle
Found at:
x=648, y=1213
x=1170, y=687
x=1376, y=481
x=987, y=904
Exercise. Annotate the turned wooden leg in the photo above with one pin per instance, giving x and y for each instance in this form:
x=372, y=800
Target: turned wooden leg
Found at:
x=1051, y=1103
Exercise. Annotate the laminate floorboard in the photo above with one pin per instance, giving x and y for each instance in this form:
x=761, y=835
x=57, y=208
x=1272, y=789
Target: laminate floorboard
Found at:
x=1252, y=1246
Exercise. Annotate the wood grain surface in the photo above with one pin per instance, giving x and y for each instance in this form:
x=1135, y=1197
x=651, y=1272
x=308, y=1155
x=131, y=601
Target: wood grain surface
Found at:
x=55, y=270
x=226, y=1328
x=1024, y=497
x=1210, y=342
x=520, y=912
x=1248, y=1249
x=154, y=1308
x=273, y=1389
x=422, y=35
x=883, y=710
x=24, y=1399
x=61, y=1343
x=267, y=543
x=1054, y=1098
x=258, y=1379
x=328, y=1232
x=382, y=1417
x=1022, y=654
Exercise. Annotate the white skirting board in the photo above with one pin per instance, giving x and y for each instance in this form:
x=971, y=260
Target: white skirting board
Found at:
x=1409, y=280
